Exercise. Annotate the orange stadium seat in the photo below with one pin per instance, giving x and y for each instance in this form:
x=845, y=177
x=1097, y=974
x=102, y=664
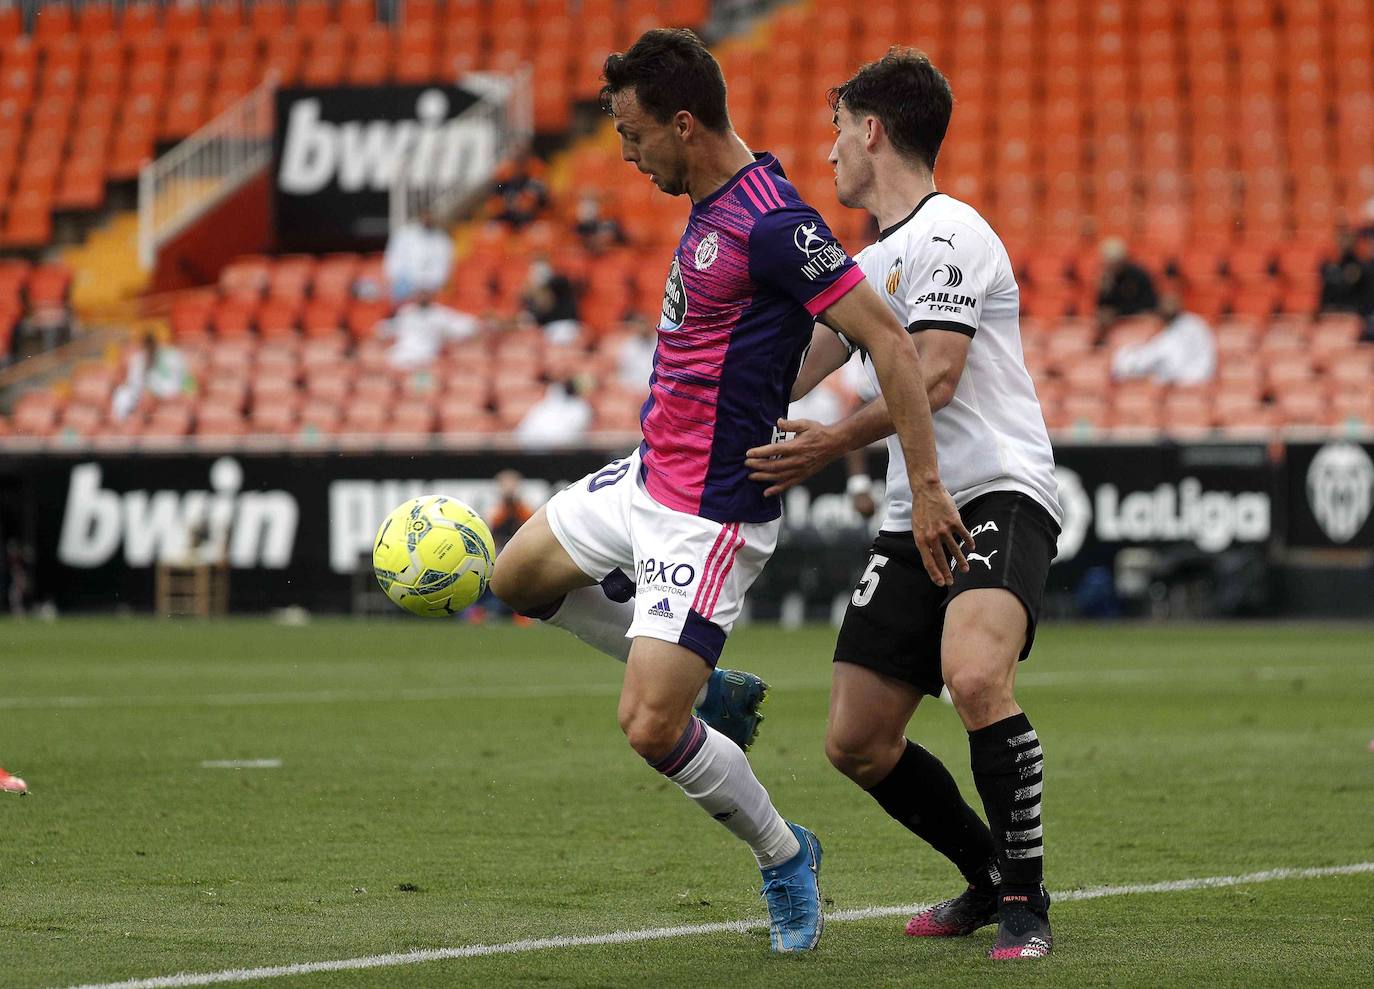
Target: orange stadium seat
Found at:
x=273, y=416
x=411, y=416
x=364, y=315
x=277, y=319
x=233, y=318
x=354, y=15
x=322, y=317
x=416, y=54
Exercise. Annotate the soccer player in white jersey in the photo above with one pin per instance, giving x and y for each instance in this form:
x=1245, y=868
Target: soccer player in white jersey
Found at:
x=947, y=277
x=755, y=267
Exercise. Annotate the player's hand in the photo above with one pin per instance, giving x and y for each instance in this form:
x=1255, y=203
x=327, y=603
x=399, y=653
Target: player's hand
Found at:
x=938, y=530
x=790, y=462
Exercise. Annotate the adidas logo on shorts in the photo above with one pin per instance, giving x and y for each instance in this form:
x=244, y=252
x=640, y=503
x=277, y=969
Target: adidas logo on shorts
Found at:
x=661, y=610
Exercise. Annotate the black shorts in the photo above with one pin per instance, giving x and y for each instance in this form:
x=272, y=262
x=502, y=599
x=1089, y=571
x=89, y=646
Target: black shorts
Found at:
x=896, y=616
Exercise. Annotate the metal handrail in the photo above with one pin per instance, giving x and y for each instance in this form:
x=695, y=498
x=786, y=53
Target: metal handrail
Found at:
x=186, y=182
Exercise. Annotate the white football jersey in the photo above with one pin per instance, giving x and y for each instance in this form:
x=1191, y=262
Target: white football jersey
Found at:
x=943, y=268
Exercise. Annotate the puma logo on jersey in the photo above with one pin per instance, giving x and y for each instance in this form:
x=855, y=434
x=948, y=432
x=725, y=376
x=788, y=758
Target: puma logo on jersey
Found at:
x=944, y=240
x=984, y=560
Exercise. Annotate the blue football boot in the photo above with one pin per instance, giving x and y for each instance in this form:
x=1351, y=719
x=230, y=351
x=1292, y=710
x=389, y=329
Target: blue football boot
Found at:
x=732, y=704
x=794, y=896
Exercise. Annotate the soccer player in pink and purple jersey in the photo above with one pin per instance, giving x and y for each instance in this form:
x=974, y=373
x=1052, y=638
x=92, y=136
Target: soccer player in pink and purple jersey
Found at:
x=754, y=270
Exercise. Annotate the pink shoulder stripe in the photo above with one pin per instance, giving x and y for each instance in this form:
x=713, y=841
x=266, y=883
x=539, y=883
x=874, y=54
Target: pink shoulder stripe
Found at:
x=768, y=197
x=767, y=179
x=744, y=184
x=837, y=289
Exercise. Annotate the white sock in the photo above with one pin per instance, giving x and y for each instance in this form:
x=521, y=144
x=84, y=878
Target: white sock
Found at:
x=722, y=783
x=601, y=623
x=597, y=620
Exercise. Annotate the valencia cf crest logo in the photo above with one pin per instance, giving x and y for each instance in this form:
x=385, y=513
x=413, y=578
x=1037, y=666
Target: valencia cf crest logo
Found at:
x=1340, y=490
x=707, y=251
x=894, y=277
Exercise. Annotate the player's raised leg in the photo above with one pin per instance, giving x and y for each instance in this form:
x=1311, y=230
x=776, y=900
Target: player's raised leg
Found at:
x=985, y=635
x=534, y=572
x=661, y=680
x=866, y=740
x=537, y=576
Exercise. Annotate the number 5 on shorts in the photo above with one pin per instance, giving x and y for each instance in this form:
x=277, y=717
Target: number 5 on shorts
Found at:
x=868, y=583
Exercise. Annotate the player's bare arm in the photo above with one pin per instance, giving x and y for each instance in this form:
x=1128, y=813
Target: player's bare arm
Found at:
x=865, y=319
x=816, y=445
x=825, y=355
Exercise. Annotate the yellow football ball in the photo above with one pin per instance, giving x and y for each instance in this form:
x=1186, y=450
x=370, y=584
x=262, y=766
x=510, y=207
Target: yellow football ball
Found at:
x=433, y=556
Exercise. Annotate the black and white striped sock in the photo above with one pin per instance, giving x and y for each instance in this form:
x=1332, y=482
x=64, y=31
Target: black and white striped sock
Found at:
x=1009, y=771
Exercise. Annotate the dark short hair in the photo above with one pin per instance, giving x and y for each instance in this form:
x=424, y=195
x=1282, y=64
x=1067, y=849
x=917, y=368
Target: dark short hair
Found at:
x=909, y=95
x=670, y=69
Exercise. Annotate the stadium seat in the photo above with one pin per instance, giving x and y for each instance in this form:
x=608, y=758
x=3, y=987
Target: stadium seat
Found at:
x=329, y=383
x=322, y=317
x=273, y=417
x=277, y=318
x=412, y=416
x=364, y=315
x=233, y=317
x=245, y=279
x=374, y=388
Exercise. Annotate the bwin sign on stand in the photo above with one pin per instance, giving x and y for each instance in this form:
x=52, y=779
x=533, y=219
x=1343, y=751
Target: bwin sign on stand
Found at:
x=249, y=529
x=339, y=153
x=368, y=155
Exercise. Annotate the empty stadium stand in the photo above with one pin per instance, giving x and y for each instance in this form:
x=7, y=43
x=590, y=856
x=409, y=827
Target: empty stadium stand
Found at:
x=1222, y=140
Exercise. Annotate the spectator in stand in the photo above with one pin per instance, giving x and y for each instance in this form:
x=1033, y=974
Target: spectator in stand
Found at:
x=635, y=361
x=1348, y=278
x=559, y=419
x=521, y=195
x=510, y=511
x=550, y=298
x=598, y=233
x=157, y=369
x=419, y=258
x=1183, y=353
x=504, y=518
x=421, y=328
x=1125, y=289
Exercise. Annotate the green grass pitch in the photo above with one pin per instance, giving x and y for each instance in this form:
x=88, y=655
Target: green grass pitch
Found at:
x=444, y=785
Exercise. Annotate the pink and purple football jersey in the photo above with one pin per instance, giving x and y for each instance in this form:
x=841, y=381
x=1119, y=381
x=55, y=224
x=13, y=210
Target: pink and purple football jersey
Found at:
x=755, y=266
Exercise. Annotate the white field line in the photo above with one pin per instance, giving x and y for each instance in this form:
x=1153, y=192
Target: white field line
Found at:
x=1030, y=678
x=241, y=764
x=693, y=930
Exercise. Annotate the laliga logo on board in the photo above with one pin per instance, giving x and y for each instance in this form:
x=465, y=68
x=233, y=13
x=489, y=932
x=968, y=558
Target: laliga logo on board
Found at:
x=1340, y=489
x=1171, y=512
x=1078, y=513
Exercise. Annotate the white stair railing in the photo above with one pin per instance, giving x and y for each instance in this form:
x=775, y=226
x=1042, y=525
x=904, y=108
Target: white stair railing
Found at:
x=443, y=175
x=215, y=161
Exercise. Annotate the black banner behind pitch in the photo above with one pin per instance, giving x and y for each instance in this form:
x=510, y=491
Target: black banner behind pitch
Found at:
x=294, y=526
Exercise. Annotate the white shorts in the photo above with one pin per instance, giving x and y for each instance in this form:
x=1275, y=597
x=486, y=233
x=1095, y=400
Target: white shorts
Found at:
x=690, y=574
